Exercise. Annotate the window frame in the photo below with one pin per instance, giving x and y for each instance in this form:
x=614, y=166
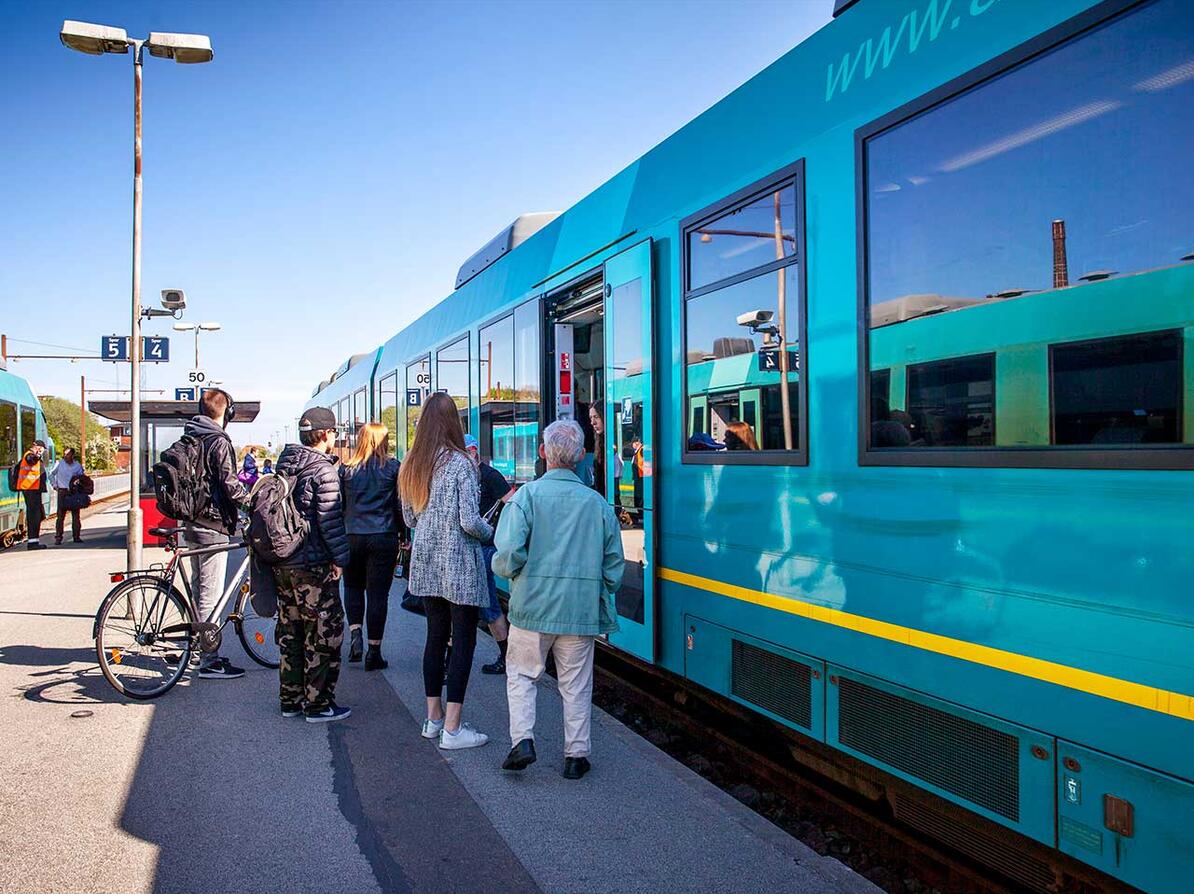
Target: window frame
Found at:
x=467, y=338
x=794, y=172
x=1173, y=457
x=16, y=430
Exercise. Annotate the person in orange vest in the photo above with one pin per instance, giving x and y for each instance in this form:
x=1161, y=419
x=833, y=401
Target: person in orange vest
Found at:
x=28, y=476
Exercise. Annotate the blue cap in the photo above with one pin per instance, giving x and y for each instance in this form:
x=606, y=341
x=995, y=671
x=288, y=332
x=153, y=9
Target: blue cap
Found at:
x=704, y=441
x=470, y=441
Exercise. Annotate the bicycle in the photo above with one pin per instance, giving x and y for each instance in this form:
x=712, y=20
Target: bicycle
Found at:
x=146, y=630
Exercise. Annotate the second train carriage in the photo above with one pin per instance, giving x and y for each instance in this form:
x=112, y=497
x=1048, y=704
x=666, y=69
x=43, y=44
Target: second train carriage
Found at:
x=936, y=258
x=21, y=423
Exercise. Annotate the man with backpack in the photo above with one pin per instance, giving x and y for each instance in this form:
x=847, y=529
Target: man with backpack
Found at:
x=310, y=626
x=216, y=495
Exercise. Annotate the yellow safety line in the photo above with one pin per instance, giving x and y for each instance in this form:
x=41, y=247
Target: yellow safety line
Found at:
x=1148, y=697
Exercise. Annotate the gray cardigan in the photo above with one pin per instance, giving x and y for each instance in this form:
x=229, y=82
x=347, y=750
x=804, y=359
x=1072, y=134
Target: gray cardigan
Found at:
x=447, y=555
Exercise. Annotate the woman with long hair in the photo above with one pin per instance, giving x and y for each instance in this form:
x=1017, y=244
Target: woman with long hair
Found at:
x=369, y=484
x=740, y=436
x=438, y=484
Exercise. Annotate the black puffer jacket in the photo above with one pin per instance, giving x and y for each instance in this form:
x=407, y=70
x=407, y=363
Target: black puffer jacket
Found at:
x=317, y=498
x=219, y=459
x=371, y=497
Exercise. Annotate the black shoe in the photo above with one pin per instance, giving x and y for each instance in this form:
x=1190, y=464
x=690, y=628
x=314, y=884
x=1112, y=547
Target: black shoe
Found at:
x=58, y=541
x=521, y=756
x=36, y=546
x=220, y=669
x=576, y=767
x=330, y=714
x=354, y=645
x=374, y=661
x=292, y=710
x=77, y=539
x=498, y=667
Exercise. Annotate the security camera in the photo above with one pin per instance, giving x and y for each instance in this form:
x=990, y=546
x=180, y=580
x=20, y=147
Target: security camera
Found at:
x=755, y=318
x=174, y=300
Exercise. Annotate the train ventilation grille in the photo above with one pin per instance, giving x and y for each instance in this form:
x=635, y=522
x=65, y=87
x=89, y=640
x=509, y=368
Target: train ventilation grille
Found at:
x=1004, y=854
x=974, y=762
x=772, y=682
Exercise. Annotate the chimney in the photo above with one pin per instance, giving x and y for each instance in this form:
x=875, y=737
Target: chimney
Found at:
x=1061, y=270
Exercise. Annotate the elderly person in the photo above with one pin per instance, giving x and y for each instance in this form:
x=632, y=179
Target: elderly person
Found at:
x=562, y=582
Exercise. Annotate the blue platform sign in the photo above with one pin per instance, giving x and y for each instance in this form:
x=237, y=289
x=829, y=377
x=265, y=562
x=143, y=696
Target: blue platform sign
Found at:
x=185, y=394
x=114, y=347
x=414, y=397
x=769, y=360
x=155, y=349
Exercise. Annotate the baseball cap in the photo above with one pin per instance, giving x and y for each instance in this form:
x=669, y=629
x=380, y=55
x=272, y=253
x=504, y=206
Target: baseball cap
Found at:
x=703, y=441
x=39, y=443
x=317, y=419
x=470, y=441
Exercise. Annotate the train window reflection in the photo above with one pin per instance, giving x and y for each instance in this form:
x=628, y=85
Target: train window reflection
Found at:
x=451, y=376
x=8, y=434
x=1125, y=390
x=735, y=369
x=387, y=408
x=758, y=232
x=1002, y=225
x=527, y=357
x=418, y=386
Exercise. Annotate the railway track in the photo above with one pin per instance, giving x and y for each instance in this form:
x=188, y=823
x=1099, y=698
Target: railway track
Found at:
x=849, y=812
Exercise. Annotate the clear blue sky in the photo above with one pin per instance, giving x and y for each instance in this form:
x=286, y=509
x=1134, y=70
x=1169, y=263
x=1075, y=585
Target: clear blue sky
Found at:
x=337, y=161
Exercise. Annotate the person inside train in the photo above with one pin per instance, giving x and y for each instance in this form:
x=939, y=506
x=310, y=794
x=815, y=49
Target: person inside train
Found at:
x=740, y=436
x=562, y=580
x=438, y=486
x=369, y=484
x=28, y=475
x=886, y=431
x=494, y=491
x=601, y=451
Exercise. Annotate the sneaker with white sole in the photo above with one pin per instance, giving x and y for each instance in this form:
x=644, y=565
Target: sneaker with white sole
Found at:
x=220, y=669
x=432, y=728
x=330, y=714
x=465, y=737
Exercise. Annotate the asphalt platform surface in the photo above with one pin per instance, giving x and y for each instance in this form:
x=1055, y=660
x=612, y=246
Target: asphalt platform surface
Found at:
x=208, y=789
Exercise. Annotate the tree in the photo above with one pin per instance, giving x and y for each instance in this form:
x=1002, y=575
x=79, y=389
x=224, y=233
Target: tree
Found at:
x=62, y=421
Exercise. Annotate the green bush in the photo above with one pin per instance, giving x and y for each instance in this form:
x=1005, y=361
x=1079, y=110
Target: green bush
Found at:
x=62, y=421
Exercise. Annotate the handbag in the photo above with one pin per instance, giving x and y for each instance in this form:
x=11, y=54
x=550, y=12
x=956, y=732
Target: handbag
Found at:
x=75, y=500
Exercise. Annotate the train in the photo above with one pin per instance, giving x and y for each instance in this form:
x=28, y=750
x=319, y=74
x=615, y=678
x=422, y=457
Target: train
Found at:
x=892, y=350
x=21, y=423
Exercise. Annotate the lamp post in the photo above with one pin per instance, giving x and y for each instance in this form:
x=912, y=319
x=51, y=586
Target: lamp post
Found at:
x=197, y=327
x=95, y=40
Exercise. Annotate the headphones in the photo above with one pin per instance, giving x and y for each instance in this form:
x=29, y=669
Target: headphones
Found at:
x=230, y=413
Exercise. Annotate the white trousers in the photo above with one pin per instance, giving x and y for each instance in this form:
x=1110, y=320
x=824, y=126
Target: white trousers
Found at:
x=526, y=652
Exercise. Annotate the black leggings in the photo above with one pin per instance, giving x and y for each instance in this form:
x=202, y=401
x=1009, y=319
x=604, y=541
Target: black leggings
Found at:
x=371, y=561
x=446, y=619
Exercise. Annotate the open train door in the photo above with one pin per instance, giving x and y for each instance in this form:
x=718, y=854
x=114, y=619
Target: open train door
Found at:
x=629, y=443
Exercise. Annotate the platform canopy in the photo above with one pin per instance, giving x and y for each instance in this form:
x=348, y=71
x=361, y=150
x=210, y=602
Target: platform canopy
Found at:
x=166, y=410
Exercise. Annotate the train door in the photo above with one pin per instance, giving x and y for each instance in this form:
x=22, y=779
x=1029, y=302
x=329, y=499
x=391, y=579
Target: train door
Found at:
x=629, y=442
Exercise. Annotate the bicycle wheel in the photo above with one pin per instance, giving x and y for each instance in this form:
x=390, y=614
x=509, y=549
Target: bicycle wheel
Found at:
x=143, y=637
x=256, y=633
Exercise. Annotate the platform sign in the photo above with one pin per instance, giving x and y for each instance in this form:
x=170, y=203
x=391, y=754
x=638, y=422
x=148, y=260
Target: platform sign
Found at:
x=186, y=394
x=155, y=349
x=114, y=348
x=196, y=378
x=769, y=360
x=414, y=397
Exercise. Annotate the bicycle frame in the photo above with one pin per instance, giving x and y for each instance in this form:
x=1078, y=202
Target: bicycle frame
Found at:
x=192, y=597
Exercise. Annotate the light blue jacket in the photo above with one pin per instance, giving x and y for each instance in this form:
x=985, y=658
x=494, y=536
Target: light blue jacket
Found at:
x=560, y=545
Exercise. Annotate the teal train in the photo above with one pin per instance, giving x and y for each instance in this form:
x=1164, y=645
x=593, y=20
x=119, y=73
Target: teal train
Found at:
x=21, y=423
x=887, y=363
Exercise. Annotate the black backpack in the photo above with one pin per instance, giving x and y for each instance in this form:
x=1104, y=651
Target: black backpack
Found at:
x=276, y=529
x=180, y=480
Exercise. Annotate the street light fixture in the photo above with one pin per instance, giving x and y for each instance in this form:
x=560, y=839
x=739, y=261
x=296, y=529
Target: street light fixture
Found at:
x=96, y=40
x=197, y=328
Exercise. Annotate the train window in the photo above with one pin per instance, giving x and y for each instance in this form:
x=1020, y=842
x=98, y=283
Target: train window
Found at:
x=360, y=413
x=528, y=354
x=387, y=406
x=495, y=349
x=1124, y=390
x=753, y=234
x=9, y=450
x=451, y=376
x=1003, y=223
x=951, y=403
x=28, y=427
x=344, y=422
x=418, y=386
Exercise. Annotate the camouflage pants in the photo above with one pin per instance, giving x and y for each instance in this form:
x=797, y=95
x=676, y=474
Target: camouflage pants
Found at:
x=309, y=633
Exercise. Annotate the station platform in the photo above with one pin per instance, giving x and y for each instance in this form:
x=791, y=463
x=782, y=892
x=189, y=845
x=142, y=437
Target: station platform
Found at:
x=208, y=788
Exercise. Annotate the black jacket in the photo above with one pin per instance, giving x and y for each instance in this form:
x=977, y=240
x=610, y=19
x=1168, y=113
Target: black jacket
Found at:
x=316, y=496
x=219, y=461
x=370, y=497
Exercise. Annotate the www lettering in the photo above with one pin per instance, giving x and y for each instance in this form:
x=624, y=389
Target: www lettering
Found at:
x=877, y=54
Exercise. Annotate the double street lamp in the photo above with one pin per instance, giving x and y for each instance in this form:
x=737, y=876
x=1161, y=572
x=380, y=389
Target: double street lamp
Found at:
x=197, y=328
x=96, y=40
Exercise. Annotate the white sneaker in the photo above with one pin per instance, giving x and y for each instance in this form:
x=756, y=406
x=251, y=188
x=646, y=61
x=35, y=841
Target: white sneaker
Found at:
x=432, y=728
x=465, y=737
